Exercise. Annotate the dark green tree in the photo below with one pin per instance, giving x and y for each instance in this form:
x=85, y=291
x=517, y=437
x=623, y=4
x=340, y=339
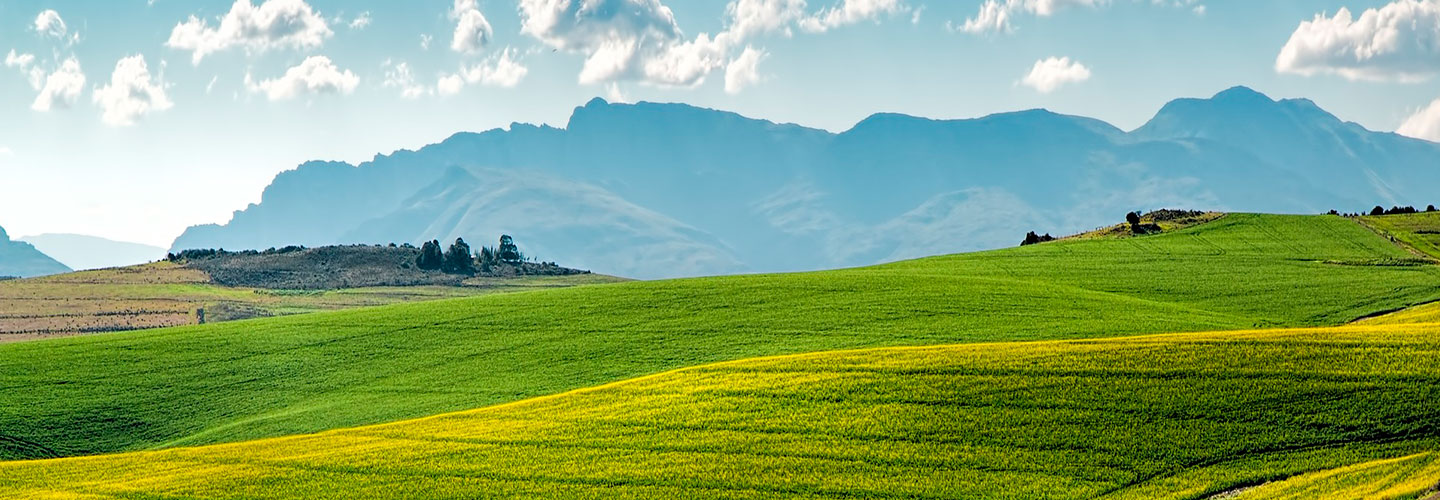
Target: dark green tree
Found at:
x=430, y=257
x=458, y=259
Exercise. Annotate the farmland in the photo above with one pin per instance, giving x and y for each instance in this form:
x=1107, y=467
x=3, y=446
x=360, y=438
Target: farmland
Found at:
x=1318, y=411
x=1420, y=231
x=165, y=294
x=308, y=373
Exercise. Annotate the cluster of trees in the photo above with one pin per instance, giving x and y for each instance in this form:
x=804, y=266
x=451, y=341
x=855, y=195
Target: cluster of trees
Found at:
x=459, y=259
x=1379, y=210
x=1031, y=238
x=205, y=253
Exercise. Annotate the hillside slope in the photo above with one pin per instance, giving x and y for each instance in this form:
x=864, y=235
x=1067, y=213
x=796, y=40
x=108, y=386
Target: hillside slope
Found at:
x=261, y=378
x=21, y=260
x=722, y=193
x=1158, y=417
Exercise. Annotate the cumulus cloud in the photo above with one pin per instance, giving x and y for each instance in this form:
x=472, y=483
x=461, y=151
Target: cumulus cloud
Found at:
x=1424, y=124
x=748, y=18
x=398, y=76
x=48, y=23
x=617, y=37
x=500, y=70
x=472, y=30
x=850, y=12
x=62, y=87
x=744, y=70
x=997, y=16
x=274, y=24
x=1050, y=74
x=640, y=40
x=1397, y=42
x=450, y=84
x=131, y=93
x=315, y=76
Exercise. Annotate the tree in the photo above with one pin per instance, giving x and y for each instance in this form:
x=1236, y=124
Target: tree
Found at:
x=1133, y=218
x=458, y=259
x=430, y=257
x=508, y=252
x=1430, y=208
x=1378, y=210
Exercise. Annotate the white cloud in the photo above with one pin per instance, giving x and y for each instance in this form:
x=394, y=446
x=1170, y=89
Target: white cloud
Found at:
x=48, y=23
x=211, y=86
x=450, y=84
x=22, y=61
x=1397, y=42
x=425, y=41
x=61, y=88
x=25, y=63
x=316, y=75
x=499, y=70
x=132, y=93
x=850, y=12
x=398, y=76
x=998, y=16
x=472, y=30
x=744, y=71
x=361, y=21
x=1052, y=73
x=752, y=17
x=1424, y=124
x=274, y=24
x=614, y=94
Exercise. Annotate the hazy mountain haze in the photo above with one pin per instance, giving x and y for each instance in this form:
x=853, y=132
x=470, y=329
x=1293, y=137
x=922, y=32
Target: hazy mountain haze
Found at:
x=717, y=192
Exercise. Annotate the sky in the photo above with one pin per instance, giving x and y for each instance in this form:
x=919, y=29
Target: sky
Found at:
x=133, y=119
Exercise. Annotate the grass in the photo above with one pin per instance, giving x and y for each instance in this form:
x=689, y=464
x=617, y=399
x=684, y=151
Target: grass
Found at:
x=1419, y=231
x=1168, y=416
x=164, y=294
x=308, y=373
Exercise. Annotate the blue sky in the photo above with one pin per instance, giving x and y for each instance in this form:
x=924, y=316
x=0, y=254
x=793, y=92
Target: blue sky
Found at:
x=196, y=125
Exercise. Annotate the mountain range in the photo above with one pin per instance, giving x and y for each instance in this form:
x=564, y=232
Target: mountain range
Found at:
x=21, y=260
x=82, y=252
x=652, y=190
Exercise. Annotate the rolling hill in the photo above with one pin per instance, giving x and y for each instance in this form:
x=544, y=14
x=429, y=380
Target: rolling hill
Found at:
x=21, y=260
x=1157, y=417
x=308, y=373
x=716, y=192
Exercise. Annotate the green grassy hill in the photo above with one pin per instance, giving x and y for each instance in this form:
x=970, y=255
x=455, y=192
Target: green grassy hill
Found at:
x=278, y=376
x=1155, y=417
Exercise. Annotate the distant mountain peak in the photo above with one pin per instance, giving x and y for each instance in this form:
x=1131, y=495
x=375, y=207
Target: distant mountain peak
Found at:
x=1241, y=94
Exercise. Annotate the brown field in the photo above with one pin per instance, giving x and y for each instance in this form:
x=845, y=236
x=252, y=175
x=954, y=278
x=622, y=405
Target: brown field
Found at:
x=167, y=294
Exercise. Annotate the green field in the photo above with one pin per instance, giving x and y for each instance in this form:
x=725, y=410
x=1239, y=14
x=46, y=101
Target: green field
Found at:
x=1155, y=417
x=307, y=373
x=1419, y=231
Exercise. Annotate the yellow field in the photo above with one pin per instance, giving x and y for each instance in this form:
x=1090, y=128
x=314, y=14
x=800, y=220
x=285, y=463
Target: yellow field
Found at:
x=1315, y=411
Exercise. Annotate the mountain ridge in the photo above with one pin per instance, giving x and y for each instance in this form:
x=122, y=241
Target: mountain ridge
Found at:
x=784, y=197
x=19, y=259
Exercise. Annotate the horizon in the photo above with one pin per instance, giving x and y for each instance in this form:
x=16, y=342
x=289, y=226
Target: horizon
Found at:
x=165, y=155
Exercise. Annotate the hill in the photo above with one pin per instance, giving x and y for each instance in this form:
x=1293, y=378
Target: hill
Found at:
x=81, y=252
x=19, y=259
x=1157, y=417
x=664, y=190
x=234, y=286
x=278, y=376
